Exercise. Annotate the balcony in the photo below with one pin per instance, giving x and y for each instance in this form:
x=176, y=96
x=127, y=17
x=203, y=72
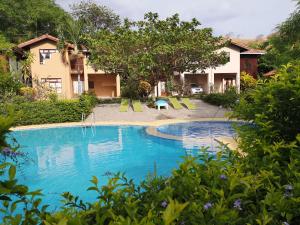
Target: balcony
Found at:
x=77, y=66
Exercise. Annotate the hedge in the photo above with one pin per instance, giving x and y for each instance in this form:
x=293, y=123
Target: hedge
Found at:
x=45, y=111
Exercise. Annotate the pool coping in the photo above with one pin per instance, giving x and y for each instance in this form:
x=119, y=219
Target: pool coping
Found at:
x=120, y=123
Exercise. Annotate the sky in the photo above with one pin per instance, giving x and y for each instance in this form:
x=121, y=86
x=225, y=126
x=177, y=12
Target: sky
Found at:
x=239, y=18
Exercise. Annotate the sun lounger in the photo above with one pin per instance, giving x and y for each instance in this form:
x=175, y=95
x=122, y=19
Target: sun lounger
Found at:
x=188, y=103
x=124, y=105
x=175, y=103
x=137, y=106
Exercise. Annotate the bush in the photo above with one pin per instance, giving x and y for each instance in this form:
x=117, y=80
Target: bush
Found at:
x=247, y=82
x=228, y=99
x=28, y=92
x=9, y=86
x=144, y=89
x=50, y=111
x=109, y=101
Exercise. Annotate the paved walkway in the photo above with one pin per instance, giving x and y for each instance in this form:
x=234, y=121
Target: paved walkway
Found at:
x=110, y=113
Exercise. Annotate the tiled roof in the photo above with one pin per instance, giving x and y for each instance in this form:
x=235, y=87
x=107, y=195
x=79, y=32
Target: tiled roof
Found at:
x=270, y=73
x=253, y=52
x=240, y=45
x=43, y=37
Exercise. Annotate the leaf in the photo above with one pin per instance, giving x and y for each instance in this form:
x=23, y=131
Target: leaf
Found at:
x=63, y=221
x=173, y=211
x=12, y=172
x=5, y=198
x=94, y=180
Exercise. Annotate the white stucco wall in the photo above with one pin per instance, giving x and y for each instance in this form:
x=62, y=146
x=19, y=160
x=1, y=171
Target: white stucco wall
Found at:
x=231, y=67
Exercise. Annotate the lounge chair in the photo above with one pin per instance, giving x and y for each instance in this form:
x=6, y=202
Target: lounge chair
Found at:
x=124, y=105
x=137, y=106
x=175, y=103
x=188, y=103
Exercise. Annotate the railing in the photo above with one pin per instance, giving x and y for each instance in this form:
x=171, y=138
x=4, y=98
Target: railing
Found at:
x=77, y=65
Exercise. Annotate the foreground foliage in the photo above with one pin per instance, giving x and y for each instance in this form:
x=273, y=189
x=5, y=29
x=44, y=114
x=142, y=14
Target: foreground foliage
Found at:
x=261, y=185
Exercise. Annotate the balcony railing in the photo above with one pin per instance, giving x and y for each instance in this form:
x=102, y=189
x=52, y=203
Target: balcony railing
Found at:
x=77, y=65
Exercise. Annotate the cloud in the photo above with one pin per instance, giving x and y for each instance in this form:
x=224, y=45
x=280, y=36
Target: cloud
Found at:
x=245, y=18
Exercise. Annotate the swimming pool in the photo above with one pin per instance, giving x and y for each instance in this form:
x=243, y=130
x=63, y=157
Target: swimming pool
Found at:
x=199, y=129
x=65, y=159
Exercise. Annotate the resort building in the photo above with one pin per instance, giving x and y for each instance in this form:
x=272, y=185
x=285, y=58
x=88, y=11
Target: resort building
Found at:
x=241, y=58
x=68, y=76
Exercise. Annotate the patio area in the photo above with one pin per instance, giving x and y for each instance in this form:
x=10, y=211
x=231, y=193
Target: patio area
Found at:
x=110, y=112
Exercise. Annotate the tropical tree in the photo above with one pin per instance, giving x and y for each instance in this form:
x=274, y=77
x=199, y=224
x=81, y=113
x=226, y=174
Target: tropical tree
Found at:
x=22, y=20
x=153, y=49
x=284, y=45
x=94, y=17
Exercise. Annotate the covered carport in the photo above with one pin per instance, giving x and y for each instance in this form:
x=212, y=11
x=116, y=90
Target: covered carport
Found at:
x=196, y=78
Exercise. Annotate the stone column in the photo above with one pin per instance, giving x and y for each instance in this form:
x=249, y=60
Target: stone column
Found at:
x=85, y=74
x=237, y=82
x=210, y=81
x=118, y=85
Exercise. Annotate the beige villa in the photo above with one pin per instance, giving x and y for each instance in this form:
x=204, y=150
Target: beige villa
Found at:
x=240, y=58
x=68, y=77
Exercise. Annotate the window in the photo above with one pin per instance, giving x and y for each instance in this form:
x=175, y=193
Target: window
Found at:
x=91, y=85
x=53, y=83
x=45, y=54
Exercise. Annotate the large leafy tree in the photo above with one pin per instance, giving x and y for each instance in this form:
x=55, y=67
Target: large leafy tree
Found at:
x=284, y=45
x=153, y=49
x=21, y=20
x=94, y=17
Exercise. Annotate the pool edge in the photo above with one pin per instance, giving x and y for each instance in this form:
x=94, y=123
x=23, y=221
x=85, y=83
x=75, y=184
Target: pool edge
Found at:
x=116, y=123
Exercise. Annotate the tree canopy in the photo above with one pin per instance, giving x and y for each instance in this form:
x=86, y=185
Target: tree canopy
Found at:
x=94, y=17
x=22, y=20
x=283, y=46
x=153, y=49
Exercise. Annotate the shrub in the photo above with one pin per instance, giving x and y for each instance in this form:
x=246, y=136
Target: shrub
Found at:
x=144, y=89
x=247, y=81
x=227, y=99
x=28, y=92
x=9, y=86
x=55, y=111
x=109, y=101
x=52, y=96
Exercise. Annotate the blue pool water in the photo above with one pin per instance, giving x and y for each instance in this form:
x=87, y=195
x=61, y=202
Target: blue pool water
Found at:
x=199, y=129
x=65, y=159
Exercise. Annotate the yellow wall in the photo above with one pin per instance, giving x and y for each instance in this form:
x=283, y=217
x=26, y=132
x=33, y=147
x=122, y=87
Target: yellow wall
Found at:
x=53, y=68
x=104, y=85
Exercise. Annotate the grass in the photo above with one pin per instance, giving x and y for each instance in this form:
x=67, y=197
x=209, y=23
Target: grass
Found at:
x=137, y=106
x=188, y=103
x=175, y=103
x=124, y=105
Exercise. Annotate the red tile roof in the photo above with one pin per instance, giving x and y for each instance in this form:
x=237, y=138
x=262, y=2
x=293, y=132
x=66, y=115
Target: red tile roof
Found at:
x=240, y=45
x=253, y=52
x=270, y=73
x=41, y=38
